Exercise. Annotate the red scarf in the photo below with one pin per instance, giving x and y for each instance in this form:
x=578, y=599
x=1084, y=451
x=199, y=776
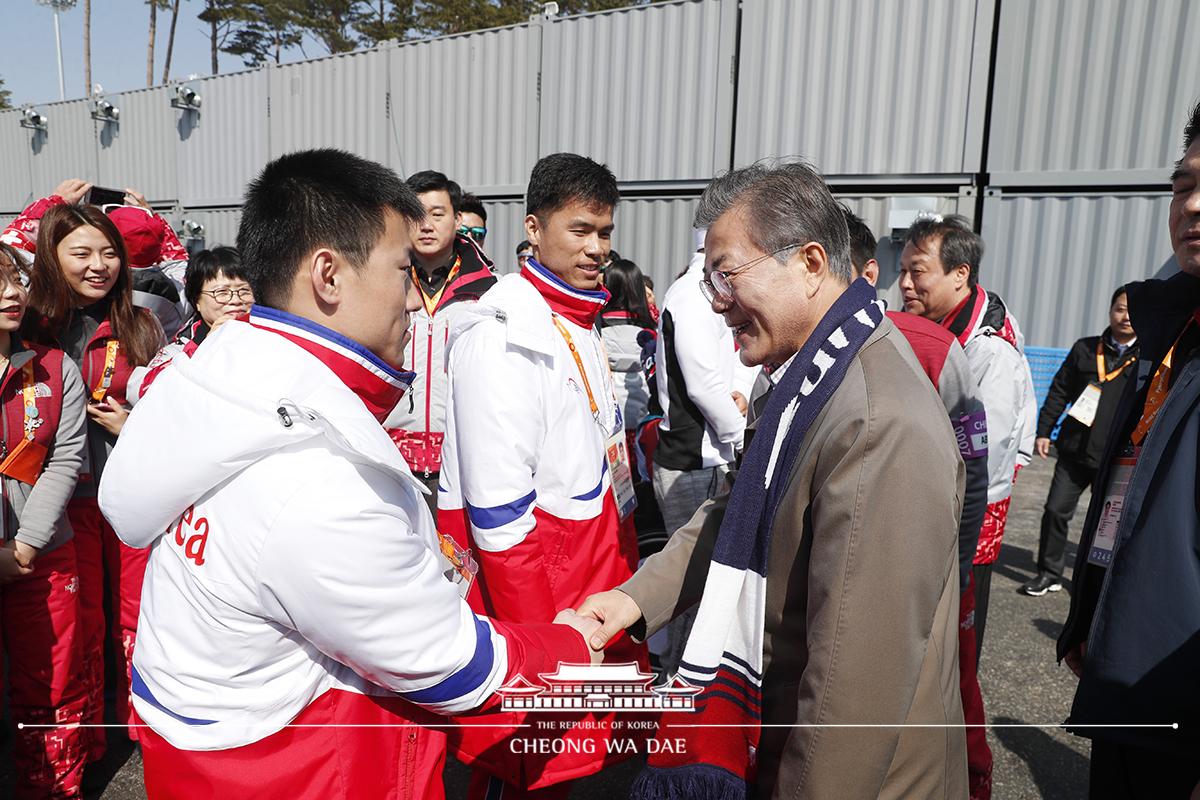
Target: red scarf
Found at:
x=377, y=384
x=578, y=305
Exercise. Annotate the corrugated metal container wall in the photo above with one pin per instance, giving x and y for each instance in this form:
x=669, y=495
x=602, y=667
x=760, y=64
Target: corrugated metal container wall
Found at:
x=334, y=102
x=222, y=148
x=656, y=234
x=864, y=87
x=1092, y=85
x=220, y=224
x=140, y=152
x=15, y=149
x=646, y=90
x=68, y=149
x=1057, y=260
x=479, y=125
x=506, y=227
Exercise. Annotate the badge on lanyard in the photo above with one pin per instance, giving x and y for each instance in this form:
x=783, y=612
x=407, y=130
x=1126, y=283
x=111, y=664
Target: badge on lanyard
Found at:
x=617, y=452
x=1083, y=410
x=1105, y=540
x=460, y=565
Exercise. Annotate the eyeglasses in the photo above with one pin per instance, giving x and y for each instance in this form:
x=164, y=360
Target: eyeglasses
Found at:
x=720, y=283
x=478, y=234
x=224, y=296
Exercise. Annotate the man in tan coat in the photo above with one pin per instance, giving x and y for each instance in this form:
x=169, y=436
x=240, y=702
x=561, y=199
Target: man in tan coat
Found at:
x=861, y=577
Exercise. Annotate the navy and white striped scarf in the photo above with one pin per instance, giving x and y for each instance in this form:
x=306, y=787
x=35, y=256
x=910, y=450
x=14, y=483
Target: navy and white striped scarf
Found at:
x=724, y=653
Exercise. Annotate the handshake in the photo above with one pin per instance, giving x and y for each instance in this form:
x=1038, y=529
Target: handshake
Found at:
x=601, y=617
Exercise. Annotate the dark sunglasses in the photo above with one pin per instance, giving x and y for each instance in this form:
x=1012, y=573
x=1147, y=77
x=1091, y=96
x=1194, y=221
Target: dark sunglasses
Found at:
x=478, y=234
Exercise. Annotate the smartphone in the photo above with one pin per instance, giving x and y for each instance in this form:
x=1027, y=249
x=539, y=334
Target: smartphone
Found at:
x=99, y=196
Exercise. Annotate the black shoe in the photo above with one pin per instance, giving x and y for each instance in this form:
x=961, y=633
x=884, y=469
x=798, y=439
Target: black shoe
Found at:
x=1041, y=584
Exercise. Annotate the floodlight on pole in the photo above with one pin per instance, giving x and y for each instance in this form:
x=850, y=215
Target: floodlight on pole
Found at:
x=59, y=5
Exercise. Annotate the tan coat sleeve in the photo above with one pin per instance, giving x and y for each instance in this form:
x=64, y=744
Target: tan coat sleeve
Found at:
x=672, y=580
x=884, y=513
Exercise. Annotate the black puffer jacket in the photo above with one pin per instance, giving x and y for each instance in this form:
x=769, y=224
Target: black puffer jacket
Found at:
x=1076, y=441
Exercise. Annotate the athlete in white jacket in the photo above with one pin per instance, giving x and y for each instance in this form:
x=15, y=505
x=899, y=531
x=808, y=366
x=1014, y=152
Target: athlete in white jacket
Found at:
x=295, y=577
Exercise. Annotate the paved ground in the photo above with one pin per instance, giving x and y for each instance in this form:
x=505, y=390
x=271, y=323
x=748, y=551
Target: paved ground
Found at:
x=1021, y=685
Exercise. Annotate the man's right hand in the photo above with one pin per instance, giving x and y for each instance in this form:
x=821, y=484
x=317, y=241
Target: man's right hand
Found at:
x=1074, y=658
x=587, y=626
x=614, y=609
x=72, y=190
x=1041, y=446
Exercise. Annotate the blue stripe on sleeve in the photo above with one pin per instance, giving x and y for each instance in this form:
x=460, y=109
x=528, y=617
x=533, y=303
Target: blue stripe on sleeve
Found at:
x=494, y=517
x=467, y=679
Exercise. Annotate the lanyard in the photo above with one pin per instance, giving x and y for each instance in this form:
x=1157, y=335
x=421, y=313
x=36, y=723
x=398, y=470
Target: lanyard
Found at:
x=29, y=398
x=1160, y=385
x=431, y=303
x=110, y=366
x=579, y=364
x=1108, y=376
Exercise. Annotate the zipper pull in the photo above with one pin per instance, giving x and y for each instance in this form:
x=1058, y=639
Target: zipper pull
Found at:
x=283, y=417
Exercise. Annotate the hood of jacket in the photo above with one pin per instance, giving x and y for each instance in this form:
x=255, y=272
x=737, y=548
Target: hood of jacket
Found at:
x=212, y=416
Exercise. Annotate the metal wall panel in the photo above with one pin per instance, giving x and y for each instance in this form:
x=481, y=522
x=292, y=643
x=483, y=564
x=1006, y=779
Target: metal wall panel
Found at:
x=220, y=224
x=67, y=149
x=219, y=150
x=1092, y=85
x=16, y=145
x=656, y=234
x=339, y=101
x=140, y=152
x=646, y=90
x=870, y=87
x=1057, y=259
x=467, y=106
x=506, y=227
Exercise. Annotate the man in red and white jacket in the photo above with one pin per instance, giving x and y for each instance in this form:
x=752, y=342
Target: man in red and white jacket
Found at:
x=301, y=617
x=450, y=271
x=939, y=276
x=526, y=481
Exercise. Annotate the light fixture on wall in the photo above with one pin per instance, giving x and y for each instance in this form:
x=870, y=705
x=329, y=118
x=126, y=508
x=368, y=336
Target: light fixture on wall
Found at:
x=191, y=229
x=34, y=120
x=186, y=98
x=104, y=111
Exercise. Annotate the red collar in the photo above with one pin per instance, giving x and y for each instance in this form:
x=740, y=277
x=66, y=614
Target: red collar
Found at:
x=578, y=305
x=378, y=385
x=962, y=320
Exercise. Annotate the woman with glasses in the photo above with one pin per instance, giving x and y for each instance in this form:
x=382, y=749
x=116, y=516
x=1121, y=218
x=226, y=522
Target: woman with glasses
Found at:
x=81, y=301
x=215, y=285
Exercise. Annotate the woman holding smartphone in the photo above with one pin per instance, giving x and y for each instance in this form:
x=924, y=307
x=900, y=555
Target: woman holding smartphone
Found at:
x=42, y=439
x=81, y=301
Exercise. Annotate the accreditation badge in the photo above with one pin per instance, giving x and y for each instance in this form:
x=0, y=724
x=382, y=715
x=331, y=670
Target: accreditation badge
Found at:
x=1105, y=540
x=1083, y=410
x=459, y=566
x=616, y=449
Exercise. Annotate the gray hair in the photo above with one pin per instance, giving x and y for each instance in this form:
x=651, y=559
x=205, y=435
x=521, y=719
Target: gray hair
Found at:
x=787, y=203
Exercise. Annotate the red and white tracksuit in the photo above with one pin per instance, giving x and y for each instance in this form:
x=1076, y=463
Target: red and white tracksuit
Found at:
x=295, y=578
x=39, y=614
x=525, y=483
x=418, y=422
x=102, y=559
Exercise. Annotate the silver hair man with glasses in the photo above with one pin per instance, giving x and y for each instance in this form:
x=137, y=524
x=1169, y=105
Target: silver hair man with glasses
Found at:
x=827, y=578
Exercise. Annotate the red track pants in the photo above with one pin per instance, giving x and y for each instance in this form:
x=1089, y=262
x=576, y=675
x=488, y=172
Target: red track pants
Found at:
x=39, y=624
x=979, y=755
x=105, y=561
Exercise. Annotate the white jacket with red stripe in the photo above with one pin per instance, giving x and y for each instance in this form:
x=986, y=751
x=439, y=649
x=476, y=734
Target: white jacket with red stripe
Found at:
x=292, y=551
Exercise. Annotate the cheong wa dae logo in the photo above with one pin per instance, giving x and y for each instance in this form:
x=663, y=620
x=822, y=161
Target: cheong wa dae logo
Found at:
x=598, y=687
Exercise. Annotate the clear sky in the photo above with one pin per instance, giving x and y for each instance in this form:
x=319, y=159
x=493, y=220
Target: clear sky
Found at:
x=120, y=31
